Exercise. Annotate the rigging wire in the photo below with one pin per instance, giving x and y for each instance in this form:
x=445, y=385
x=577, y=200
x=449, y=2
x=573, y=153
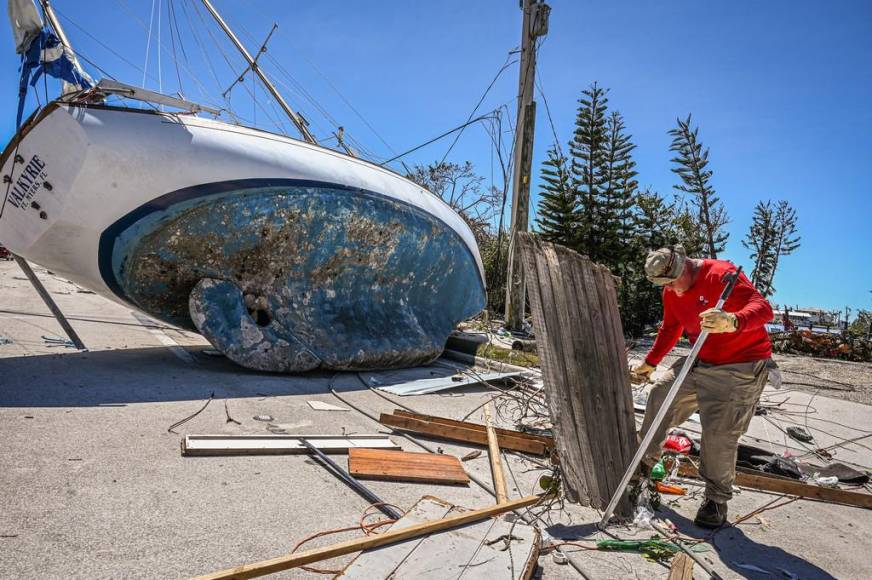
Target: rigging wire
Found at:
x=159, y=73
x=442, y=136
x=148, y=44
x=171, y=16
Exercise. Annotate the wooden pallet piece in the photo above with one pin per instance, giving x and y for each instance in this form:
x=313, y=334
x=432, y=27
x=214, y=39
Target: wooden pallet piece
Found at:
x=461, y=434
x=388, y=465
x=581, y=347
x=297, y=559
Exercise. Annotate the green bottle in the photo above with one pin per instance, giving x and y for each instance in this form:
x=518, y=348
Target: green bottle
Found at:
x=658, y=472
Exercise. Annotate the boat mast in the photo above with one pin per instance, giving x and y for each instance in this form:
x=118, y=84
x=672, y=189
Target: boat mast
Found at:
x=55, y=23
x=252, y=63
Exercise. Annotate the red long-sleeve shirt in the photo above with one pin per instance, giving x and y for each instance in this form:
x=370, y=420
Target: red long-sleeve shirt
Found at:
x=749, y=343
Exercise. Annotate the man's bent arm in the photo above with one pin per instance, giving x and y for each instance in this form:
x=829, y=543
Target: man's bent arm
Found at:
x=756, y=312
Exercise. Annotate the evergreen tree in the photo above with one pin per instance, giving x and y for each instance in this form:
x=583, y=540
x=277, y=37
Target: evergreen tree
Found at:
x=692, y=160
x=587, y=152
x=785, y=240
x=614, y=225
x=654, y=221
x=558, y=206
x=760, y=241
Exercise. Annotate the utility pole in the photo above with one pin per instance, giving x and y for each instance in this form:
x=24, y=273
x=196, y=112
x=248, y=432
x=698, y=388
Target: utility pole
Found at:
x=535, y=24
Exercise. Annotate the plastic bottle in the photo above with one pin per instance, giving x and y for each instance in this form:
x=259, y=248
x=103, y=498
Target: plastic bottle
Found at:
x=658, y=472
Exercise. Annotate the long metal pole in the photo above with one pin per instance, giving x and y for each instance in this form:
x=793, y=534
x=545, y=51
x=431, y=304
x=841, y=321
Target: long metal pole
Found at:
x=55, y=23
x=664, y=408
x=351, y=482
x=46, y=297
x=295, y=118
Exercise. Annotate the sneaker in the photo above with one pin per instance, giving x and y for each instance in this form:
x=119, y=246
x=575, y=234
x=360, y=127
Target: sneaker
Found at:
x=711, y=515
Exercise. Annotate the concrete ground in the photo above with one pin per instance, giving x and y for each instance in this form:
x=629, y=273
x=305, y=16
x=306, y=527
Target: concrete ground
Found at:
x=93, y=485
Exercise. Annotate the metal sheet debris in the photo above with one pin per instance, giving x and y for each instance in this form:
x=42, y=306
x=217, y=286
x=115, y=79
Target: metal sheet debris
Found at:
x=425, y=386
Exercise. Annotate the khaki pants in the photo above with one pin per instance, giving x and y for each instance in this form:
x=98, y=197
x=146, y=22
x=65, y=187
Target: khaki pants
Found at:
x=726, y=396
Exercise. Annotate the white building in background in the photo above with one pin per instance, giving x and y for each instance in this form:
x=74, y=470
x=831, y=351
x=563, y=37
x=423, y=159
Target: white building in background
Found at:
x=814, y=318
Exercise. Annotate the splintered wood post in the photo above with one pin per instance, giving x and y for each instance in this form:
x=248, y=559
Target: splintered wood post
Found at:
x=496, y=461
x=682, y=568
x=584, y=366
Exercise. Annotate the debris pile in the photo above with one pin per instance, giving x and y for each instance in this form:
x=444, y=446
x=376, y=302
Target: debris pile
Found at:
x=843, y=347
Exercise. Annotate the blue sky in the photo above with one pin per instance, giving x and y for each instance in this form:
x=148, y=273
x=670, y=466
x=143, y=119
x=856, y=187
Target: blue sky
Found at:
x=781, y=91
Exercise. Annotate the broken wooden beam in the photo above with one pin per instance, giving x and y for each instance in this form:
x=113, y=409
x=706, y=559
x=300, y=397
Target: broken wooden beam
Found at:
x=496, y=459
x=288, y=561
x=387, y=465
x=777, y=484
x=211, y=445
x=466, y=432
x=682, y=568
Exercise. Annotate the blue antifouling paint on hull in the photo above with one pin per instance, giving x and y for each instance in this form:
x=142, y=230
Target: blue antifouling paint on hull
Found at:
x=356, y=279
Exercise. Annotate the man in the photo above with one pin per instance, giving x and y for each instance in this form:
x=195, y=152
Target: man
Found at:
x=729, y=375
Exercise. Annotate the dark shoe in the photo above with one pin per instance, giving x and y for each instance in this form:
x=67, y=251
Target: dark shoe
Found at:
x=711, y=515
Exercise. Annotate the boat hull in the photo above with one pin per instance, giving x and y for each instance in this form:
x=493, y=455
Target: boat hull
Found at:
x=285, y=256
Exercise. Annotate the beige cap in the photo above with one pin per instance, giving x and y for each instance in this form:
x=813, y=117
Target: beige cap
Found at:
x=665, y=265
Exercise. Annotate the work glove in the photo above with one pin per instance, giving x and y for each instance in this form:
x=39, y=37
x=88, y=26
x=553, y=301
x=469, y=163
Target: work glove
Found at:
x=715, y=321
x=641, y=373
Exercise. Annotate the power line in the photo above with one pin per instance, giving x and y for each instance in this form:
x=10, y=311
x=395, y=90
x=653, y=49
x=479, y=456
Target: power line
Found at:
x=506, y=65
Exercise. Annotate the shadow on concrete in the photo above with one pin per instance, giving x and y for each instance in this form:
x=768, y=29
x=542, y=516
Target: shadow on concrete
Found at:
x=148, y=375
x=746, y=557
x=742, y=555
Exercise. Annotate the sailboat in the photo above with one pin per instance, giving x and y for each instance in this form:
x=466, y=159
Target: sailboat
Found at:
x=285, y=255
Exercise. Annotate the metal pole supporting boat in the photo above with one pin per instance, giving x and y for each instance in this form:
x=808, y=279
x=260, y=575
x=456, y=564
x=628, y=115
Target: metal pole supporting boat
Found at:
x=252, y=63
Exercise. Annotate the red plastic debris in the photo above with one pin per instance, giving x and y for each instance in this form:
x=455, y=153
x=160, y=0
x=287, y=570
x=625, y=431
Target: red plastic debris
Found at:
x=677, y=444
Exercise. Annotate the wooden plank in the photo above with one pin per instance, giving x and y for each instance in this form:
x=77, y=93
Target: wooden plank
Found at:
x=496, y=459
x=547, y=441
x=464, y=435
x=581, y=347
x=682, y=568
x=288, y=561
x=405, y=466
x=765, y=482
x=215, y=445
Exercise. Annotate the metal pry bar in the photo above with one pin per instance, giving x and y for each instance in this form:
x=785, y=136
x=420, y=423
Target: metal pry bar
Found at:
x=361, y=489
x=661, y=413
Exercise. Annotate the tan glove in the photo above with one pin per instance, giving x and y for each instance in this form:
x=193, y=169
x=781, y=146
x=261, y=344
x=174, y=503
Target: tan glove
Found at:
x=641, y=373
x=715, y=320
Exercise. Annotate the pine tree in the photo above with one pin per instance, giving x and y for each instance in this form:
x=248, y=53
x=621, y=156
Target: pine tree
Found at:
x=760, y=241
x=654, y=221
x=614, y=225
x=692, y=160
x=558, y=206
x=587, y=151
x=785, y=239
